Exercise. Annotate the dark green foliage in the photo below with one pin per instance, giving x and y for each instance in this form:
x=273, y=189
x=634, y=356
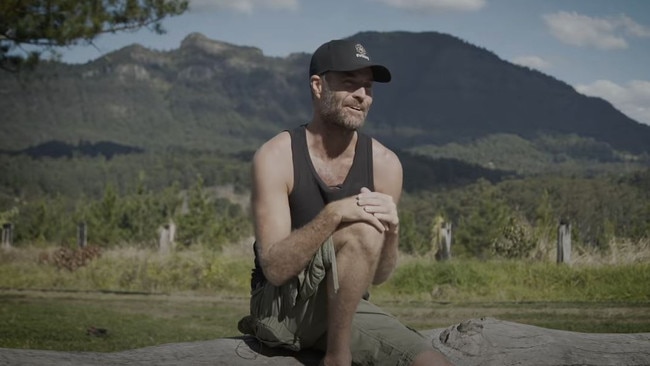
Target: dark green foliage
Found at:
x=43, y=222
x=515, y=240
x=597, y=208
x=426, y=173
x=134, y=217
x=28, y=178
x=58, y=149
x=51, y=23
x=197, y=216
x=508, y=218
x=483, y=219
x=412, y=239
x=567, y=154
x=104, y=219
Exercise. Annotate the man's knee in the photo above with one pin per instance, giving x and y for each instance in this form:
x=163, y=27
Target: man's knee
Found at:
x=359, y=237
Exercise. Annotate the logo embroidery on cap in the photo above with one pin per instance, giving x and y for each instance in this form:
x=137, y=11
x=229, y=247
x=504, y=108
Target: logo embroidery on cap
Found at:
x=361, y=52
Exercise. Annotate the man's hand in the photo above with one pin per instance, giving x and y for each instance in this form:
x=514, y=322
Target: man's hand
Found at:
x=350, y=210
x=381, y=206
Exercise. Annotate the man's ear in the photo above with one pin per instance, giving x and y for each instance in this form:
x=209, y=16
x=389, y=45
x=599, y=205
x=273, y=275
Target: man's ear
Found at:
x=316, y=85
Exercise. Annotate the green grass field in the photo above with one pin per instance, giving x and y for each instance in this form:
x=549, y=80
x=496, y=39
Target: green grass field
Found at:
x=142, y=298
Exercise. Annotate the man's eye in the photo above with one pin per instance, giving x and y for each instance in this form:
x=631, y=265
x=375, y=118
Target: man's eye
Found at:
x=353, y=84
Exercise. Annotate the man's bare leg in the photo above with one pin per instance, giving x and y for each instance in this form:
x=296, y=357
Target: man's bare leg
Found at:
x=358, y=249
x=431, y=358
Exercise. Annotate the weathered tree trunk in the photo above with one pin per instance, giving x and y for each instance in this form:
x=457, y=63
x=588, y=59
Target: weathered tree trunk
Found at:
x=484, y=342
x=488, y=341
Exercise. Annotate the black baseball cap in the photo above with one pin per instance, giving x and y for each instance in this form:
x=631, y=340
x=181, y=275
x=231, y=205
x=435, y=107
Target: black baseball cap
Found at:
x=345, y=55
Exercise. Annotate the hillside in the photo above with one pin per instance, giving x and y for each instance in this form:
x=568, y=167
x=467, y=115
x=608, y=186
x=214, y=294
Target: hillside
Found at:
x=451, y=91
x=208, y=94
x=487, y=144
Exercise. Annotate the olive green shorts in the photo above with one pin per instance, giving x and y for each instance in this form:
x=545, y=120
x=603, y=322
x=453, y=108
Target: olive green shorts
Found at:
x=294, y=316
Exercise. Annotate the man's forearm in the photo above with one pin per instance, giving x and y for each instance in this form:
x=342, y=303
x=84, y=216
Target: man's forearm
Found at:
x=286, y=258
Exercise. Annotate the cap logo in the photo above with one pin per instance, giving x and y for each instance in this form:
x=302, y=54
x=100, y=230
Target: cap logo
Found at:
x=361, y=52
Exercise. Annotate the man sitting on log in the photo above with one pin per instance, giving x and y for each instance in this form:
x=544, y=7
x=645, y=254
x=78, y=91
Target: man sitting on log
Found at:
x=326, y=225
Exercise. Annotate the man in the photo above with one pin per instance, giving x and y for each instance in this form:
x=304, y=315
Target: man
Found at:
x=326, y=225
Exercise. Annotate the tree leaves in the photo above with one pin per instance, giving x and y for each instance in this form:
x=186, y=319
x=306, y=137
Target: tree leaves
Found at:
x=47, y=24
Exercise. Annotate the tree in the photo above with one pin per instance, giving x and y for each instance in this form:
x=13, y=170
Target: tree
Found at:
x=46, y=24
x=482, y=223
x=410, y=239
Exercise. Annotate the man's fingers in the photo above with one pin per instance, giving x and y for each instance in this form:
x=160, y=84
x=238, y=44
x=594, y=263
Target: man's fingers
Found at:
x=376, y=209
x=372, y=200
x=374, y=221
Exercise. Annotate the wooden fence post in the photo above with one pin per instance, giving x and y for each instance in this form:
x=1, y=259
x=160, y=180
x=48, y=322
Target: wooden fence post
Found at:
x=164, y=244
x=444, y=245
x=564, y=243
x=82, y=234
x=7, y=234
x=166, y=241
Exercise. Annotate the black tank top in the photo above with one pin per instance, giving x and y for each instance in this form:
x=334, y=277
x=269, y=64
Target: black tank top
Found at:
x=310, y=194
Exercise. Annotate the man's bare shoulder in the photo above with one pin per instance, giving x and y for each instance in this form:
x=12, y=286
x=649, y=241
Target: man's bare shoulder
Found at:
x=384, y=156
x=387, y=170
x=278, y=146
x=272, y=164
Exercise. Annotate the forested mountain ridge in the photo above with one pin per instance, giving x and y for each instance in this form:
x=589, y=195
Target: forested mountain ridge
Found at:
x=452, y=91
x=477, y=137
x=208, y=94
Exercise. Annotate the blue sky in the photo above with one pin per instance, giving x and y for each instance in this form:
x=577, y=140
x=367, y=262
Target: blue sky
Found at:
x=601, y=47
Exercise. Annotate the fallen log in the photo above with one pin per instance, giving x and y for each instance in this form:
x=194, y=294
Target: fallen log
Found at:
x=484, y=341
x=488, y=341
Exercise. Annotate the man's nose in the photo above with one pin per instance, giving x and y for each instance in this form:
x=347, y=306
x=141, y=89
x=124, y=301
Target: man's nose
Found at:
x=361, y=92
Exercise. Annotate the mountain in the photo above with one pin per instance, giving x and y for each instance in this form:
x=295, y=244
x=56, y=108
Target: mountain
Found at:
x=208, y=94
x=58, y=149
x=452, y=91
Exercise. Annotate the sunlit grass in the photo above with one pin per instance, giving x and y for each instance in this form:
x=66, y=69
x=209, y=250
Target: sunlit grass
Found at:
x=205, y=271
x=473, y=280
x=61, y=321
x=144, y=298
x=130, y=270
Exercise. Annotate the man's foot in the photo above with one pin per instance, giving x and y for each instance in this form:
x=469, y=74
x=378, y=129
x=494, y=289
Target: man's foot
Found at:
x=245, y=325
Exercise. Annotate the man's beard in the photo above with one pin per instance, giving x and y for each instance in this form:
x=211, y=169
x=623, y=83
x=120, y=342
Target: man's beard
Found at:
x=333, y=113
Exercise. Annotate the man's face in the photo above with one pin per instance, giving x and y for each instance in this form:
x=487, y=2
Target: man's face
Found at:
x=346, y=98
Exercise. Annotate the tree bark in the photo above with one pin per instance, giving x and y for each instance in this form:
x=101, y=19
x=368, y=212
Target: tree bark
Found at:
x=484, y=341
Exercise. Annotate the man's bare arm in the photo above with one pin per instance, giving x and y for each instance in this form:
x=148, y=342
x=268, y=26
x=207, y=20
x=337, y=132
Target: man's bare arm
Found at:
x=284, y=253
x=383, y=204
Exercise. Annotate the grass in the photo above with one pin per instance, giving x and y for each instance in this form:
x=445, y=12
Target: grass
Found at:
x=61, y=320
x=518, y=281
x=143, y=298
x=128, y=269
x=589, y=317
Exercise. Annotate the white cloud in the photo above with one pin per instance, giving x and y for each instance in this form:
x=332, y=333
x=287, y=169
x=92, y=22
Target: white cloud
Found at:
x=241, y=6
x=581, y=30
x=534, y=62
x=435, y=5
x=633, y=28
x=585, y=31
x=633, y=98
